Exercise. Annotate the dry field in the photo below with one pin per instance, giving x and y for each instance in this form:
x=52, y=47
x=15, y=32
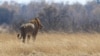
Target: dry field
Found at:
x=51, y=44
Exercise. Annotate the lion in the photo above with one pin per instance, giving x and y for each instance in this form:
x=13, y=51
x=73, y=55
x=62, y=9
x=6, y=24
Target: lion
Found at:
x=30, y=29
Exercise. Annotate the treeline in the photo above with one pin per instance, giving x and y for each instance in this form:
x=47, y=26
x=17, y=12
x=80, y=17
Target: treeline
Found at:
x=54, y=16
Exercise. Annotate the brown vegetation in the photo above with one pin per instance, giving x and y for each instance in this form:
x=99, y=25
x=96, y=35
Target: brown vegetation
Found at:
x=51, y=44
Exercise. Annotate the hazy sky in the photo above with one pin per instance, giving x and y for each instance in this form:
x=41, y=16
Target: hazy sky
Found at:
x=27, y=1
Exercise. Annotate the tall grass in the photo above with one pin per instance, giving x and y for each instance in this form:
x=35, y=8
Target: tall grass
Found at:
x=51, y=44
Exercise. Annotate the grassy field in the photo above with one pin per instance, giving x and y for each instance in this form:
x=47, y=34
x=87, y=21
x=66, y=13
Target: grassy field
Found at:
x=51, y=44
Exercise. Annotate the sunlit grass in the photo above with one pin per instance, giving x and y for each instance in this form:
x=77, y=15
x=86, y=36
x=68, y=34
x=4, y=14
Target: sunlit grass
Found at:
x=51, y=44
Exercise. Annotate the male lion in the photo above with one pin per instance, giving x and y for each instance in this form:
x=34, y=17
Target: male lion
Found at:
x=30, y=29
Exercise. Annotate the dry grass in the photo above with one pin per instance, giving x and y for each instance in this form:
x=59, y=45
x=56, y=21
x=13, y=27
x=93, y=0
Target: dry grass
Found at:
x=51, y=44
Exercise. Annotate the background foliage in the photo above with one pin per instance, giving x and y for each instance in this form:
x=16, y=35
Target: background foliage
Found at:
x=55, y=16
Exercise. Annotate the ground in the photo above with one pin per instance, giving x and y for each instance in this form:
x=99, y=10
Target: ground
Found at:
x=51, y=44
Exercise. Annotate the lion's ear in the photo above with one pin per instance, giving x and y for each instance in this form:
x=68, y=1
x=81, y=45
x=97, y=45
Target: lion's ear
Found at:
x=35, y=18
